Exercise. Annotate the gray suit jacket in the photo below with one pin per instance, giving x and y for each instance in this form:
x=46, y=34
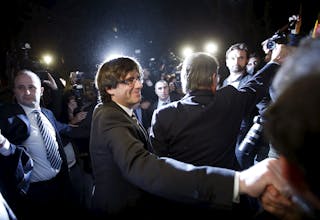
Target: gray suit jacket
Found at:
x=126, y=174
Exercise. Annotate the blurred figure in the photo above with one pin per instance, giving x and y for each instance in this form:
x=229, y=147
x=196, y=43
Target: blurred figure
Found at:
x=148, y=87
x=73, y=100
x=175, y=89
x=253, y=64
x=293, y=126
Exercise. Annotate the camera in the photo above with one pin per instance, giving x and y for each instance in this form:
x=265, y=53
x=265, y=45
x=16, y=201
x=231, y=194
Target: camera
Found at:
x=281, y=36
x=247, y=149
x=78, y=92
x=277, y=38
x=252, y=136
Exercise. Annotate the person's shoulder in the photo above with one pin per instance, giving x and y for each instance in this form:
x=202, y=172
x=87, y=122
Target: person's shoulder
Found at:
x=168, y=110
x=46, y=111
x=107, y=111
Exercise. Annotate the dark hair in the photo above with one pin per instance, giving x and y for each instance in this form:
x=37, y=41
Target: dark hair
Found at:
x=111, y=72
x=238, y=46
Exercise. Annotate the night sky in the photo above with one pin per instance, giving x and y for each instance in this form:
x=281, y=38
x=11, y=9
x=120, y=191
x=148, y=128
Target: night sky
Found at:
x=80, y=33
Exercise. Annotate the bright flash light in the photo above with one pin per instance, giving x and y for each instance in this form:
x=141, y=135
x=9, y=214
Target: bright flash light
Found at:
x=112, y=56
x=186, y=51
x=211, y=47
x=47, y=59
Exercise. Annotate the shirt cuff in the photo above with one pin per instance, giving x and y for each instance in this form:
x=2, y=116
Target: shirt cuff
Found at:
x=236, y=197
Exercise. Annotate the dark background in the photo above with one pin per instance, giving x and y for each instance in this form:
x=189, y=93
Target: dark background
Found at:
x=80, y=33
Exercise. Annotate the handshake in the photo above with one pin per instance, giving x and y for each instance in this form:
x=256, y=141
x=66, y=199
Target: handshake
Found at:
x=265, y=180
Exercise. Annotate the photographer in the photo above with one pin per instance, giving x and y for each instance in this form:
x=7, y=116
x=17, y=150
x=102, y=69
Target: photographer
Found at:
x=254, y=147
x=72, y=100
x=288, y=34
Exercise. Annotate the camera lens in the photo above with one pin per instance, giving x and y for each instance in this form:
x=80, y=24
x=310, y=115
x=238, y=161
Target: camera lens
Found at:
x=271, y=44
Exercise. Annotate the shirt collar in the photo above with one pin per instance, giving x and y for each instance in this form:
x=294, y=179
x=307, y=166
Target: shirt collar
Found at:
x=165, y=101
x=29, y=110
x=129, y=111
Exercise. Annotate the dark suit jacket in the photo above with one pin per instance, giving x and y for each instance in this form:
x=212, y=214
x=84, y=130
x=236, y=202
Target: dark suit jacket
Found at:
x=126, y=175
x=15, y=126
x=202, y=127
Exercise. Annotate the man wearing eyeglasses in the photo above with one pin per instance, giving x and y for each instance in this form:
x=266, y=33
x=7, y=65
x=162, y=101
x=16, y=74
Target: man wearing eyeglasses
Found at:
x=129, y=180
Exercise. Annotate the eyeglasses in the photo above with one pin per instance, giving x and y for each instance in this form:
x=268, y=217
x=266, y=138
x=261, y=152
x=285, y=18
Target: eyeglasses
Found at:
x=131, y=81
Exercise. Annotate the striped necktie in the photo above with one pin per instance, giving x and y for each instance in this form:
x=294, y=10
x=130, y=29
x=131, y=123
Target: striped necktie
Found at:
x=51, y=146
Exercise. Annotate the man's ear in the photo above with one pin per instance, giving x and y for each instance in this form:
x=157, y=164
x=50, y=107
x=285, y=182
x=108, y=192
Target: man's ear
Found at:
x=215, y=81
x=41, y=91
x=109, y=91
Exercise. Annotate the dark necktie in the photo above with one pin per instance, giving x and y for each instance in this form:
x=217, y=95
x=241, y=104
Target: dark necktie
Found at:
x=134, y=117
x=51, y=146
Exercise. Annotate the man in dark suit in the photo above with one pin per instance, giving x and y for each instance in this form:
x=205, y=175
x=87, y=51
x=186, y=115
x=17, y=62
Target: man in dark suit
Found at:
x=46, y=188
x=162, y=91
x=202, y=127
x=130, y=180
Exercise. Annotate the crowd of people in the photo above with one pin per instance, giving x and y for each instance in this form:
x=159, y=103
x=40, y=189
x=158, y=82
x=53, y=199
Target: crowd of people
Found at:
x=121, y=144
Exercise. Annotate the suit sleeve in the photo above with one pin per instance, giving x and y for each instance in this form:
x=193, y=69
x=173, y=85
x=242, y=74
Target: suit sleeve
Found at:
x=164, y=176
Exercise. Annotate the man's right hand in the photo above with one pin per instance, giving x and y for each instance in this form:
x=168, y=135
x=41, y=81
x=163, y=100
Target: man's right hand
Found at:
x=257, y=178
